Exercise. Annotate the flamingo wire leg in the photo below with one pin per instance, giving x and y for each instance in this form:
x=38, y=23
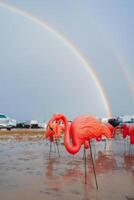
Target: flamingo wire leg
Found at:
x=93, y=165
x=83, y=157
x=129, y=149
x=50, y=150
x=94, y=150
x=57, y=147
x=127, y=145
x=105, y=145
x=85, y=163
x=54, y=148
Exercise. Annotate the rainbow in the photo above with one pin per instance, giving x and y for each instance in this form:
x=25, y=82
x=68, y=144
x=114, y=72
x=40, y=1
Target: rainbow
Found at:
x=121, y=64
x=125, y=71
x=68, y=44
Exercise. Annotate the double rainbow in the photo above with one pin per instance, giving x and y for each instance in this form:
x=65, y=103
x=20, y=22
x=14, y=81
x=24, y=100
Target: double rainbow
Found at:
x=68, y=44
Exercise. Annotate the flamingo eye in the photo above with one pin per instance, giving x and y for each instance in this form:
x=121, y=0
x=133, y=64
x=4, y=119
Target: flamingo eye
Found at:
x=55, y=122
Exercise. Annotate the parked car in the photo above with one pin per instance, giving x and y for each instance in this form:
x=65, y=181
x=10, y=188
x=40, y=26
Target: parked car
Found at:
x=24, y=124
x=34, y=124
x=6, y=122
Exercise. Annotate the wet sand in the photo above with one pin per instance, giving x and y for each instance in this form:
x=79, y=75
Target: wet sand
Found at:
x=16, y=131
x=28, y=171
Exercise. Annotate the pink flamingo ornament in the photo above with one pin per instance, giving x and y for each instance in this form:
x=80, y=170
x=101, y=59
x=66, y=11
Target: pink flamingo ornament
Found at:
x=82, y=129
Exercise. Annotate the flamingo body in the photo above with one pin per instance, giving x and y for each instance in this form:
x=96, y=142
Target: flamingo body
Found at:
x=127, y=130
x=82, y=129
x=111, y=128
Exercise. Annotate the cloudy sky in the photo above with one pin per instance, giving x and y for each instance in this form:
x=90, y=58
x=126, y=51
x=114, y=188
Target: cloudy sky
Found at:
x=40, y=74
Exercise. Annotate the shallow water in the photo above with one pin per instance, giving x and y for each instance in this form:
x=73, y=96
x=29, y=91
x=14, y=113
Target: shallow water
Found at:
x=28, y=171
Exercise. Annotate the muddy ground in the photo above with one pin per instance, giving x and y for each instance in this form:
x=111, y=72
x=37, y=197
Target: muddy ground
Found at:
x=29, y=171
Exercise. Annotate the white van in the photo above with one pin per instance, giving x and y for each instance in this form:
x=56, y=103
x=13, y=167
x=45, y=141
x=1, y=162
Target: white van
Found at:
x=6, y=122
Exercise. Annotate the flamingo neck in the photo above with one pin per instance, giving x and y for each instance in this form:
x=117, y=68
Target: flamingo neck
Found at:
x=73, y=147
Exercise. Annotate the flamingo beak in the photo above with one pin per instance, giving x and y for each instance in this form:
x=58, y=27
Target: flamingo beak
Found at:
x=50, y=126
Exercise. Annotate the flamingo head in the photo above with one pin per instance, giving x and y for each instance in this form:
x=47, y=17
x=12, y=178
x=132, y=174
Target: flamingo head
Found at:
x=56, y=117
x=49, y=131
x=122, y=127
x=55, y=125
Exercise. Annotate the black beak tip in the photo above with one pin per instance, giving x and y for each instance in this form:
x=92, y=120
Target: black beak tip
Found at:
x=51, y=129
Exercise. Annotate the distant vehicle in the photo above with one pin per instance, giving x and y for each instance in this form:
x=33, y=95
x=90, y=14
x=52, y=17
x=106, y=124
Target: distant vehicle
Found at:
x=28, y=124
x=126, y=119
x=34, y=124
x=38, y=124
x=104, y=120
x=25, y=124
x=43, y=125
x=114, y=122
x=6, y=122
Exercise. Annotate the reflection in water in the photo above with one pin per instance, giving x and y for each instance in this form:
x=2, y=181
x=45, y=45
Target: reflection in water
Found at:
x=61, y=172
x=27, y=171
x=129, y=164
x=105, y=163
